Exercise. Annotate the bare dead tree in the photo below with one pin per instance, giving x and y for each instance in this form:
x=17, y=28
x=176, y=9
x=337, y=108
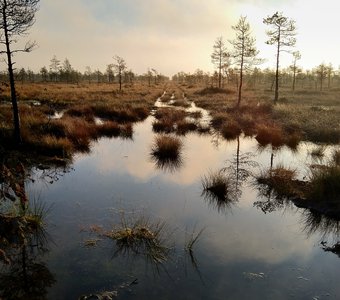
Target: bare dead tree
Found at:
x=282, y=35
x=16, y=17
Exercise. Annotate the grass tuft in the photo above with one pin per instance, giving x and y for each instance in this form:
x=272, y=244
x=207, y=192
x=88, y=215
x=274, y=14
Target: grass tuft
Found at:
x=231, y=130
x=166, y=147
x=270, y=135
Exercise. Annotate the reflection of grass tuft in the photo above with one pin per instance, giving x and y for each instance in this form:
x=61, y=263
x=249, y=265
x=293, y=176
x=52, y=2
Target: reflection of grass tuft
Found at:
x=282, y=181
x=217, y=189
x=166, y=147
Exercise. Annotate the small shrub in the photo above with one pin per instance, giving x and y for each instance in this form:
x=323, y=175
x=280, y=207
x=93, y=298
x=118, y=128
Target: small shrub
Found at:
x=270, y=135
x=170, y=113
x=184, y=126
x=325, y=184
x=80, y=133
x=51, y=146
x=181, y=103
x=282, y=181
x=126, y=131
x=248, y=124
x=54, y=127
x=109, y=129
x=196, y=114
x=141, y=112
x=219, y=119
x=213, y=90
x=85, y=112
x=231, y=130
x=163, y=125
x=293, y=140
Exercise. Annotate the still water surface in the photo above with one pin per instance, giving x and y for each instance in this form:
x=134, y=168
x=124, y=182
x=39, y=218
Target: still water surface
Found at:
x=243, y=253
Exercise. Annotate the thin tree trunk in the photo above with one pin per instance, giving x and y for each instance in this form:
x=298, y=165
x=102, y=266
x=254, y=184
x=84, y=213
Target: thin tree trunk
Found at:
x=16, y=118
x=276, y=98
x=220, y=71
x=241, y=83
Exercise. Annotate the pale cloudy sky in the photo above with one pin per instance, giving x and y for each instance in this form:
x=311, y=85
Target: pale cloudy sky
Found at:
x=172, y=35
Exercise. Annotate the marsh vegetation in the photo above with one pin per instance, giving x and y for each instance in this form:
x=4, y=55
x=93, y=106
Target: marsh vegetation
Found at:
x=159, y=143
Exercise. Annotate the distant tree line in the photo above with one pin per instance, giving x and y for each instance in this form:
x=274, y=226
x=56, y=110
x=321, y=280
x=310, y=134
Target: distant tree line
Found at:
x=63, y=72
x=321, y=77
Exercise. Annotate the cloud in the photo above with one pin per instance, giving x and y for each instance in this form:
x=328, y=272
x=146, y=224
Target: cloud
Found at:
x=170, y=36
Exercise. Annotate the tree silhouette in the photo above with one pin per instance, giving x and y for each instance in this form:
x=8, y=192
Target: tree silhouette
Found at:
x=294, y=67
x=321, y=72
x=244, y=52
x=119, y=67
x=220, y=57
x=17, y=17
x=282, y=35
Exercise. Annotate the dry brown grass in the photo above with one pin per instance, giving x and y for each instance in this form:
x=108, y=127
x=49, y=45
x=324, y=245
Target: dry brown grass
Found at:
x=273, y=135
x=81, y=104
x=306, y=114
x=185, y=126
x=231, y=130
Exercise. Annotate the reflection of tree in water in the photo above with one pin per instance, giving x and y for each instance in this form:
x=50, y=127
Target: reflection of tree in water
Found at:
x=271, y=200
x=26, y=277
x=224, y=188
x=239, y=166
x=23, y=239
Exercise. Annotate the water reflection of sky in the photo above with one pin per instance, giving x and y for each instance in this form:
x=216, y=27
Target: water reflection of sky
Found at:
x=119, y=174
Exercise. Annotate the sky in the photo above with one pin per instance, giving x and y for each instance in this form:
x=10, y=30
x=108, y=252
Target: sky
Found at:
x=172, y=35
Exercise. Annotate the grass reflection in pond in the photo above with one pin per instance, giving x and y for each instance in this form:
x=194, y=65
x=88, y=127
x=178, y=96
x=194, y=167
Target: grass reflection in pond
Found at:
x=218, y=191
x=166, y=152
